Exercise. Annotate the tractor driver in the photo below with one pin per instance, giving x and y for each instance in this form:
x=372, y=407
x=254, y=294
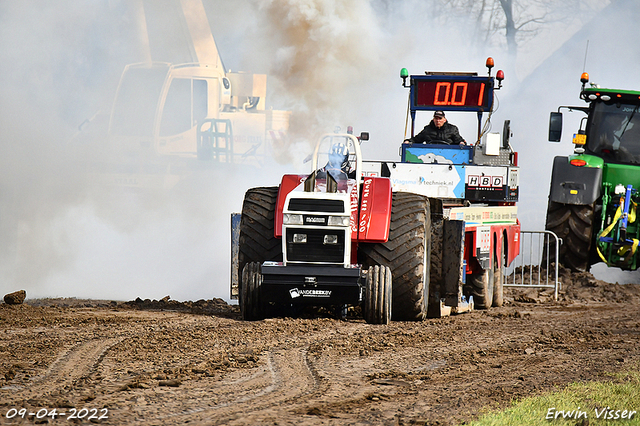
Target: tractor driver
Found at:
x=438, y=131
x=338, y=165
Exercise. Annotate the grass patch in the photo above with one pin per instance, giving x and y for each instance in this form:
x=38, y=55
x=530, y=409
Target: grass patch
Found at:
x=592, y=403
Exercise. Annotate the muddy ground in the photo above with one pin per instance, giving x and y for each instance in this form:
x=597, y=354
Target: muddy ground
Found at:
x=165, y=362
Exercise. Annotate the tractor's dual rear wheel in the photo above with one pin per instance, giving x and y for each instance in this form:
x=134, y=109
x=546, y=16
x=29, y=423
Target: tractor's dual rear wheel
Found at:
x=407, y=253
x=574, y=225
x=377, y=300
x=498, y=279
x=480, y=286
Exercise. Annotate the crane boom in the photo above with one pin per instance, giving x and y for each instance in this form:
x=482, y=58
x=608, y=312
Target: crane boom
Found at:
x=203, y=44
x=177, y=31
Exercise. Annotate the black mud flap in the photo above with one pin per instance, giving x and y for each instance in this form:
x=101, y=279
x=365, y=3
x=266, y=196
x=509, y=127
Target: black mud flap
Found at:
x=235, y=245
x=574, y=185
x=453, y=264
x=446, y=285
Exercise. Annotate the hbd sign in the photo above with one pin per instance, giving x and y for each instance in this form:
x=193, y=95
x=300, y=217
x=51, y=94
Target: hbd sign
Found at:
x=485, y=181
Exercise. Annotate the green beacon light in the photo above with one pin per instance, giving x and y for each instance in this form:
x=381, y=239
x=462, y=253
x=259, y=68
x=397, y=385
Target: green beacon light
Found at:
x=403, y=75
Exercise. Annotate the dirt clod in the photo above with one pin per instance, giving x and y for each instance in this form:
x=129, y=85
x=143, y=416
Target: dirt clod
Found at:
x=15, y=298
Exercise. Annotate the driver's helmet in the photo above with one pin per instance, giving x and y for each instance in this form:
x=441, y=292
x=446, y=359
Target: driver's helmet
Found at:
x=339, y=156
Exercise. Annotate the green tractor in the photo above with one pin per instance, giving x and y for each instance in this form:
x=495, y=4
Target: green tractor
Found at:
x=594, y=194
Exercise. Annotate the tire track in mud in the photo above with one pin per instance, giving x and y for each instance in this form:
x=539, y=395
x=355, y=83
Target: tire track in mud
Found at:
x=288, y=375
x=72, y=364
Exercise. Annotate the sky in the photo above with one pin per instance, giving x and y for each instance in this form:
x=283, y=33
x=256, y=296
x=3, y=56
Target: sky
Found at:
x=333, y=63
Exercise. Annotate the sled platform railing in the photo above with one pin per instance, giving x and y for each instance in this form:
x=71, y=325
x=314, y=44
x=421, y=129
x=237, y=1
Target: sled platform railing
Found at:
x=532, y=267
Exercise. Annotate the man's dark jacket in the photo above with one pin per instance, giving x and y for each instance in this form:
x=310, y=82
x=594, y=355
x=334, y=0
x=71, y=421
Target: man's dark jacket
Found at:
x=448, y=134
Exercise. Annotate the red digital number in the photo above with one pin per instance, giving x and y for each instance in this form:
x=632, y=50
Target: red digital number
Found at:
x=436, y=97
x=456, y=90
x=458, y=94
x=481, y=95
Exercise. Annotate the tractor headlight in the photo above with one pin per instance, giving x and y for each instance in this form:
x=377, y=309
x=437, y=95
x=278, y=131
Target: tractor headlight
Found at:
x=338, y=221
x=292, y=219
x=300, y=238
x=330, y=239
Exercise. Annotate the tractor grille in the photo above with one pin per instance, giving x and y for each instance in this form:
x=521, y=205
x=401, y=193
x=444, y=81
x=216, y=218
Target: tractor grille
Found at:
x=316, y=205
x=314, y=250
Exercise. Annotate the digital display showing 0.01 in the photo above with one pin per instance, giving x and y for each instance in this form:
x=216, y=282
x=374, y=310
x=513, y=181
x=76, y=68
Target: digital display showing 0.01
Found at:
x=468, y=93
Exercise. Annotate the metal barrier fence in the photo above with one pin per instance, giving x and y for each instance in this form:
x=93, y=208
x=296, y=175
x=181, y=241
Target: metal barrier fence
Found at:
x=531, y=267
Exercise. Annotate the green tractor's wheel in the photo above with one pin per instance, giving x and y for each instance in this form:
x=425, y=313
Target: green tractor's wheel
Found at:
x=407, y=253
x=573, y=224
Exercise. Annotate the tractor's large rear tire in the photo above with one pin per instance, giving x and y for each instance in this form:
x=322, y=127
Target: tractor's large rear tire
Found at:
x=407, y=253
x=574, y=224
x=480, y=286
x=377, y=300
x=251, y=306
x=257, y=242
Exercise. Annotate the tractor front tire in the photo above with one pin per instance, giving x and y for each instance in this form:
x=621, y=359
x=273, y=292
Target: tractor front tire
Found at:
x=407, y=253
x=574, y=225
x=377, y=301
x=250, y=294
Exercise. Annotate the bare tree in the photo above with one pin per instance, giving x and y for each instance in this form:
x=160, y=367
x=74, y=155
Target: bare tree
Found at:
x=514, y=22
x=510, y=26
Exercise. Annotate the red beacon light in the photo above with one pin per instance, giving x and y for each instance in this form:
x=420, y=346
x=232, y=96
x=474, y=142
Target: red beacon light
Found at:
x=500, y=77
